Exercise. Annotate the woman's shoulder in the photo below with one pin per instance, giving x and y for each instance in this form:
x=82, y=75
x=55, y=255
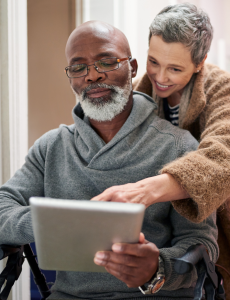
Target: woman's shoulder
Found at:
x=213, y=72
x=215, y=81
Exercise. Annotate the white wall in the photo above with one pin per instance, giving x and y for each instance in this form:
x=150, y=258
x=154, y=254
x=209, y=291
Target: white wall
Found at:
x=133, y=17
x=4, y=94
x=218, y=11
x=13, y=103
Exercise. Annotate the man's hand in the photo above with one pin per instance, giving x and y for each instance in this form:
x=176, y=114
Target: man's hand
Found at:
x=134, y=264
x=161, y=188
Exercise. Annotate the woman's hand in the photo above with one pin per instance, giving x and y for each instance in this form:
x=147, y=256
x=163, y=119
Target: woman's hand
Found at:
x=161, y=188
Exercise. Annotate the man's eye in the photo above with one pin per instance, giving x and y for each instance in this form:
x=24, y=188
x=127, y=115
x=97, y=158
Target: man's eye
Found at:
x=78, y=68
x=107, y=64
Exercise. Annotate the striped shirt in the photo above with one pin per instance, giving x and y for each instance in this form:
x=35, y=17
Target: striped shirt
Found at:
x=171, y=113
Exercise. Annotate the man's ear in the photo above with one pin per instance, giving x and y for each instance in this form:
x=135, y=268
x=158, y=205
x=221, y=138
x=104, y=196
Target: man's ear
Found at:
x=134, y=65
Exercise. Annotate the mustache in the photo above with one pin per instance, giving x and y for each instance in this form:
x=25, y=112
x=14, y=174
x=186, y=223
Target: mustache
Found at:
x=95, y=86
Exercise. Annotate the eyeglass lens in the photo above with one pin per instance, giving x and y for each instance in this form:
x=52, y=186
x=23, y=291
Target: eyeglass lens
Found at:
x=103, y=65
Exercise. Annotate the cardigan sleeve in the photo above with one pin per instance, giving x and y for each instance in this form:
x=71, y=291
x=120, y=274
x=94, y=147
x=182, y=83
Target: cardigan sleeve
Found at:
x=205, y=173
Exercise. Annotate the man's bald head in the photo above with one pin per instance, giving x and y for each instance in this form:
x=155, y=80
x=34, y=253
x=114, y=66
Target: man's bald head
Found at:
x=101, y=53
x=93, y=33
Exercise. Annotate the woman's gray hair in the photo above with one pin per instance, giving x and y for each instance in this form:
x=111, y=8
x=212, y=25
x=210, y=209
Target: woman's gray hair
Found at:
x=185, y=24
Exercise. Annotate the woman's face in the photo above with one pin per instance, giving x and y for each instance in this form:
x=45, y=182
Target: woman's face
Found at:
x=169, y=67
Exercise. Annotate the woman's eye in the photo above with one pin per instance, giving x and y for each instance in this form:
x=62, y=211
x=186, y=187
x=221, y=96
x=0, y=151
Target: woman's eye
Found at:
x=153, y=62
x=176, y=70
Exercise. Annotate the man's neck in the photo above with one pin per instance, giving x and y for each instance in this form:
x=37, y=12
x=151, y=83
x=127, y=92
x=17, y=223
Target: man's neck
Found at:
x=108, y=129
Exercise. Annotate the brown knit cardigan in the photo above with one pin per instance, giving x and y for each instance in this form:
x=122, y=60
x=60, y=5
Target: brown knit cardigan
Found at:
x=205, y=173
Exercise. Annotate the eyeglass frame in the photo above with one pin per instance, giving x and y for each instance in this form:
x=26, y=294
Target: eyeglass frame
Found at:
x=96, y=68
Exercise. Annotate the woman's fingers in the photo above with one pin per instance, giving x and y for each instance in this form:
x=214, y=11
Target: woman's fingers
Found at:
x=129, y=193
x=161, y=188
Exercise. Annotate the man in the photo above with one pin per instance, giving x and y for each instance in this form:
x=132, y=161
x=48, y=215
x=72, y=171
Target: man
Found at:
x=116, y=139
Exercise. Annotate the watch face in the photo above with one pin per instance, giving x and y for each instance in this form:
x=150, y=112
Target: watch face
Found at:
x=157, y=286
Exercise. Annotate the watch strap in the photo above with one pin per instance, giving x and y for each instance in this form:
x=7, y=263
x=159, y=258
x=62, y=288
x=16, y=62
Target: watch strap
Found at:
x=156, y=282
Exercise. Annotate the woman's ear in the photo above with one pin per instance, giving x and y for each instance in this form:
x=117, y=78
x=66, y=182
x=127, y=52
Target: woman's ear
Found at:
x=134, y=65
x=199, y=67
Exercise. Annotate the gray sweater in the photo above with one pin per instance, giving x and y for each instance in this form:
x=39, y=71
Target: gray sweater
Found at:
x=73, y=162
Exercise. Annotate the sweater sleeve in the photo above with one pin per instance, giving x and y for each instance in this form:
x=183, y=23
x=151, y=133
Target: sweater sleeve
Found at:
x=15, y=215
x=205, y=173
x=185, y=234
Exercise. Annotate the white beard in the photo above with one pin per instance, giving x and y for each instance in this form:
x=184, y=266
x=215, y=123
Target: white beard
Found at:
x=101, y=110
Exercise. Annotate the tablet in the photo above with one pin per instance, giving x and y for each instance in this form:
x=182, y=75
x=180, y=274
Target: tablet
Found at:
x=68, y=233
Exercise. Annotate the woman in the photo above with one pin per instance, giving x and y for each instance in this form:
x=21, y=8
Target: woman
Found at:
x=194, y=96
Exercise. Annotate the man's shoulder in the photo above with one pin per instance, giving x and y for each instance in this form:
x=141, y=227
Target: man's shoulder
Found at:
x=54, y=135
x=162, y=125
x=183, y=139
x=165, y=126
x=141, y=94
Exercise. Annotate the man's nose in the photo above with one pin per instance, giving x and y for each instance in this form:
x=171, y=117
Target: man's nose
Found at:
x=93, y=75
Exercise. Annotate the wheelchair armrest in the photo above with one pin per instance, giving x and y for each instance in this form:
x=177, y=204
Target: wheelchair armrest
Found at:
x=196, y=256
x=193, y=255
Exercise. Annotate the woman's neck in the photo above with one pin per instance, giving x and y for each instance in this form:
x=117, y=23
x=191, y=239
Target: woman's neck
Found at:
x=174, y=99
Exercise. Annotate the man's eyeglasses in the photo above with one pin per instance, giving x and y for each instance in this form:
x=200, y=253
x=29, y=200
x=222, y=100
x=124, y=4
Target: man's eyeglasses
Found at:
x=103, y=65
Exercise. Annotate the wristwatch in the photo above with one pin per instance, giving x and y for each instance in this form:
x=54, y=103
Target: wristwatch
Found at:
x=155, y=283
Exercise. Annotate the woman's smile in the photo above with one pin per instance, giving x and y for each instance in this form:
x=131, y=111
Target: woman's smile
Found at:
x=162, y=87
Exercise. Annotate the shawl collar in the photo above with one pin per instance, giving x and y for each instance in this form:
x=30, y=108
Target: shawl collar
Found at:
x=89, y=144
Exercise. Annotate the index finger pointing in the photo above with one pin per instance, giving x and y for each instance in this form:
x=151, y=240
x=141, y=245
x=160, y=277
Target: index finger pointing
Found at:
x=104, y=196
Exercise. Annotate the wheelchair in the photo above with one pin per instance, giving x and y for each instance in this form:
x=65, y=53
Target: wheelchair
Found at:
x=196, y=256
